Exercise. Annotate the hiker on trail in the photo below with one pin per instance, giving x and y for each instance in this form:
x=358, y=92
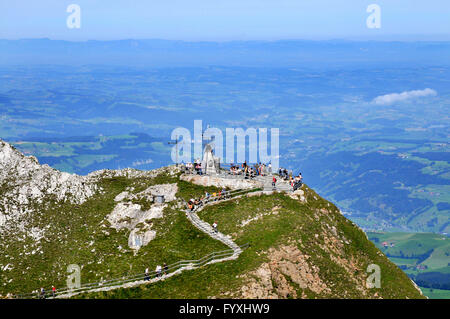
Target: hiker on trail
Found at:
x=190, y=205
x=53, y=291
x=215, y=227
x=42, y=294
x=158, y=270
x=147, y=275
x=193, y=203
x=165, y=268
x=274, y=182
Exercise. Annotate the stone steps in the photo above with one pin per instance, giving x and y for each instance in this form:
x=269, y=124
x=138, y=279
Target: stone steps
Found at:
x=208, y=229
x=266, y=182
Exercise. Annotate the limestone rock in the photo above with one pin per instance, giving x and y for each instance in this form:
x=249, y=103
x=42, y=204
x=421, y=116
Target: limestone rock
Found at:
x=131, y=216
x=25, y=182
x=205, y=180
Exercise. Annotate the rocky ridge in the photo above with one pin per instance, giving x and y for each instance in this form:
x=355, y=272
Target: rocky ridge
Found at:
x=25, y=183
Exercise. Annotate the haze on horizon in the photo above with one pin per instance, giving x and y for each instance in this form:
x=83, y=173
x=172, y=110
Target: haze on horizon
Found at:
x=214, y=20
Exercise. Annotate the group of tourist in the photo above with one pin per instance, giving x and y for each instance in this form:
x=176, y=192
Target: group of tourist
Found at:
x=194, y=203
x=296, y=182
x=235, y=170
x=284, y=173
x=159, y=271
x=249, y=171
x=193, y=168
x=43, y=293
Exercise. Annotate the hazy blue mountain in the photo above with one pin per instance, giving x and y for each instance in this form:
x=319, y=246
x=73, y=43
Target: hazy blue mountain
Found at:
x=166, y=53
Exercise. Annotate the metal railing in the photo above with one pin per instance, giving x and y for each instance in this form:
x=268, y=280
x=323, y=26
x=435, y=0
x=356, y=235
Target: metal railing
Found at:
x=150, y=277
x=223, y=196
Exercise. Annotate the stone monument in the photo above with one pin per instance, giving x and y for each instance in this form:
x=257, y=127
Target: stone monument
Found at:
x=210, y=163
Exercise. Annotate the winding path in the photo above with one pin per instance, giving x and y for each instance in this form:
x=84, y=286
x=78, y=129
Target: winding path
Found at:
x=182, y=265
x=178, y=267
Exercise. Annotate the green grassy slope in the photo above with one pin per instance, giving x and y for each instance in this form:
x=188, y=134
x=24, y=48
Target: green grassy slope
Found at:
x=74, y=235
x=335, y=250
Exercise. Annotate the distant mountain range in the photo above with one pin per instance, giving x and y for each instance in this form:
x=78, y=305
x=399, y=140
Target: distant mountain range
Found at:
x=168, y=53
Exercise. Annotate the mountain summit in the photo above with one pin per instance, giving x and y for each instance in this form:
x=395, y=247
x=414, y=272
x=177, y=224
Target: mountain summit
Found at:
x=245, y=241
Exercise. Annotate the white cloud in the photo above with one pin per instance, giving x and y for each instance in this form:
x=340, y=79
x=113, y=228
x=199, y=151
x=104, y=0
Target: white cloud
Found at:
x=399, y=97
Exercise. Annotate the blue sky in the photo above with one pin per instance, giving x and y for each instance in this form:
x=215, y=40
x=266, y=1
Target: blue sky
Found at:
x=224, y=20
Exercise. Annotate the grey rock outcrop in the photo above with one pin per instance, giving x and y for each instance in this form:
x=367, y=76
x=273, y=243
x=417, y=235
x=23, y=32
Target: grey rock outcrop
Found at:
x=25, y=183
x=131, y=216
